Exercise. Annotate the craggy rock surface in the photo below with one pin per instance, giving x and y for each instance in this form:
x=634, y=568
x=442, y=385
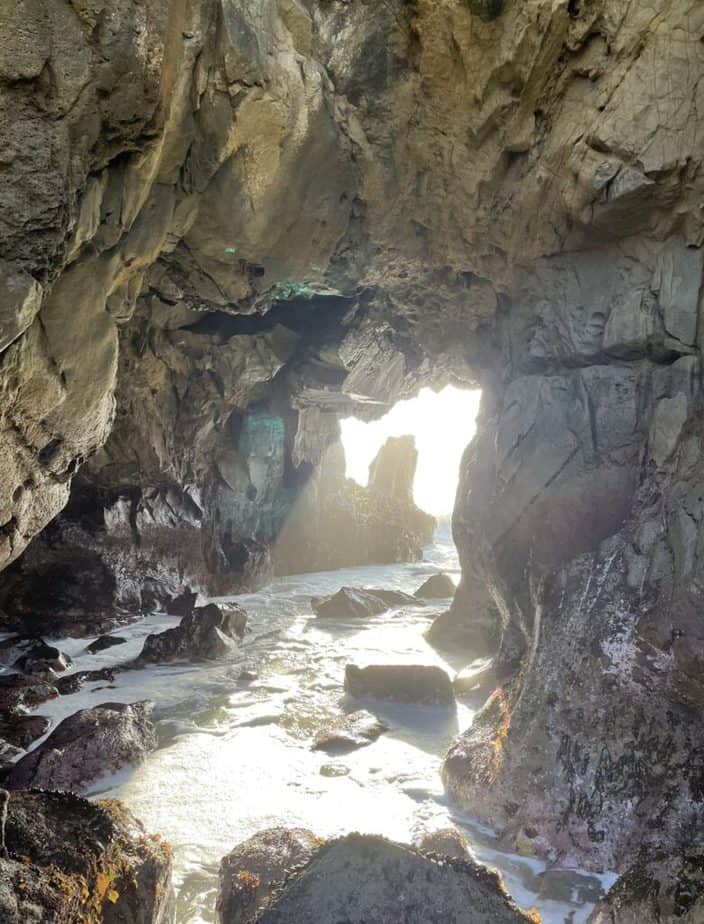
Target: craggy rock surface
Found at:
x=85, y=747
x=70, y=860
x=657, y=889
x=400, y=884
x=226, y=224
x=251, y=873
x=407, y=683
x=208, y=632
x=359, y=603
x=438, y=586
x=349, y=732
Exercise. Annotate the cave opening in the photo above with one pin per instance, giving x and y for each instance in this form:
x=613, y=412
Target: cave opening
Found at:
x=442, y=424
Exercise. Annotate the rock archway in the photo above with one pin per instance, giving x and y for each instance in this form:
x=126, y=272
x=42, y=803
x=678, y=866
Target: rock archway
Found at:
x=225, y=223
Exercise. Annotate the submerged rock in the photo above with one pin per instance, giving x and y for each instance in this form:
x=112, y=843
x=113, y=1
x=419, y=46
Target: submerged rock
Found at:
x=70, y=860
x=91, y=744
x=74, y=682
x=359, y=603
x=349, y=732
x=365, y=878
x=255, y=869
x=103, y=642
x=437, y=587
x=407, y=683
x=207, y=633
x=657, y=889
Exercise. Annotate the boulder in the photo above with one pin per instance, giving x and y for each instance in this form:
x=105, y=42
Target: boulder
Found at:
x=349, y=732
x=400, y=883
x=90, y=744
x=255, y=869
x=657, y=889
x=474, y=677
x=103, y=642
x=358, y=603
x=42, y=659
x=447, y=842
x=208, y=632
x=22, y=730
x=18, y=691
x=406, y=683
x=437, y=587
x=70, y=860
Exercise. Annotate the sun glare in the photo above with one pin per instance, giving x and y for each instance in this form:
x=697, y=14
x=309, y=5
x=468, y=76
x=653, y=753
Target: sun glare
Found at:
x=442, y=423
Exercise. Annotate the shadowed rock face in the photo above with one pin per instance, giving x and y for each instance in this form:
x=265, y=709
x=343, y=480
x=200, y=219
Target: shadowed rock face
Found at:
x=226, y=224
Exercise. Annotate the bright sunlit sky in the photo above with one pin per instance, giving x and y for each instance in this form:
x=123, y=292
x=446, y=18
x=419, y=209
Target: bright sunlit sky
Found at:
x=443, y=423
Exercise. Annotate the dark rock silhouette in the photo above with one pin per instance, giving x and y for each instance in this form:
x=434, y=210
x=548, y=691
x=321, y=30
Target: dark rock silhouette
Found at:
x=407, y=683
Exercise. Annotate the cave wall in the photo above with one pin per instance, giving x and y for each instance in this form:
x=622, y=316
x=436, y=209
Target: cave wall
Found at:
x=219, y=214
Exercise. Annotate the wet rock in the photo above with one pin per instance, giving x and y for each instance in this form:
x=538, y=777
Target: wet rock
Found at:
x=349, y=732
x=42, y=659
x=448, y=842
x=437, y=587
x=91, y=744
x=256, y=868
x=334, y=770
x=659, y=888
x=18, y=691
x=407, y=683
x=209, y=632
x=246, y=677
x=474, y=677
x=400, y=884
x=22, y=730
x=103, y=642
x=359, y=603
x=72, y=860
x=74, y=682
x=182, y=605
x=9, y=753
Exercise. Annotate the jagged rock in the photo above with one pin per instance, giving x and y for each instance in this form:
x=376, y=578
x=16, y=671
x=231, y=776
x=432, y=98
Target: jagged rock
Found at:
x=18, y=691
x=349, y=732
x=9, y=753
x=103, y=642
x=73, y=860
x=250, y=875
x=400, y=884
x=90, y=744
x=209, y=632
x=22, y=730
x=182, y=605
x=407, y=683
x=447, y=841
x=336, y=523
x=358, y=603
x=42, y=659
x=657, y=889
x=438, y=586
x=74, y=682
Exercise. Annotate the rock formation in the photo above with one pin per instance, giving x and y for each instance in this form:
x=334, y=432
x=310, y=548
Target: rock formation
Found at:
x=85, y=747
x=226, y=224
x=72, y=860
x=404, y=683
x=275, y=883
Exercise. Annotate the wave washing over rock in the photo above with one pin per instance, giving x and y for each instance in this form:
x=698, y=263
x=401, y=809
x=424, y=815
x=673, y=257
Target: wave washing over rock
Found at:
x=226, y=224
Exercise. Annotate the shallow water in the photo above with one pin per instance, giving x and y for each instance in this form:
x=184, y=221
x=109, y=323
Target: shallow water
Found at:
x=233, y=760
